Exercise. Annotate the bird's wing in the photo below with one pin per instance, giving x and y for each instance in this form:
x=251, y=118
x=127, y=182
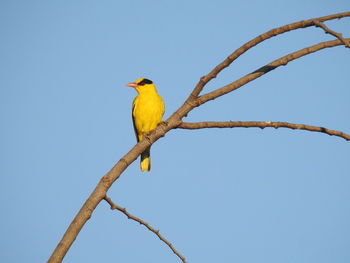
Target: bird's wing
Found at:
x=163, y=107
x=133, y=120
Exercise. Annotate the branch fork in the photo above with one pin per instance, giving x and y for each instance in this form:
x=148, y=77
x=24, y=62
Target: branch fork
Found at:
x=346, y=42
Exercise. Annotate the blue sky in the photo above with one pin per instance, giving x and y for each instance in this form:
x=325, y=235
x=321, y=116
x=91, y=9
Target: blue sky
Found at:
x=228, y=195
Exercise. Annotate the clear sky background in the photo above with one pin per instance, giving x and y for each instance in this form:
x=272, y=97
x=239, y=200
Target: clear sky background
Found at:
x=228, y=195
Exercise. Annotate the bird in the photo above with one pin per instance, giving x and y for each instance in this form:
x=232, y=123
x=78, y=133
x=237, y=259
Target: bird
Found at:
x=147, y=112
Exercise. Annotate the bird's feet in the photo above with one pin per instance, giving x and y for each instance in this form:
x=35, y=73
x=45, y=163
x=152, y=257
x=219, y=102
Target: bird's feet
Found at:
x=147, y=137
x=164, y=123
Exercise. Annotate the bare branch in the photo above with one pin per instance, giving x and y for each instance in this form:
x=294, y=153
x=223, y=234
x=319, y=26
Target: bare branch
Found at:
x=265, y=69
x=271, y=33
x=174, y=121
x=333, y=33
x=262, y=125
x=130, y=216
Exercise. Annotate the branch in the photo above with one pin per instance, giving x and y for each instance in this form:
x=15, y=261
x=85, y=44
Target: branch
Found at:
x=244, y=48
x=130, y=216
x=262, y=125
x=172, y=122
x=265, y=69
x=333, y=33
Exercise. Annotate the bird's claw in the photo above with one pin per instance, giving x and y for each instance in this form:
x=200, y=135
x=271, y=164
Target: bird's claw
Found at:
x=165, y=123
x=147, y=137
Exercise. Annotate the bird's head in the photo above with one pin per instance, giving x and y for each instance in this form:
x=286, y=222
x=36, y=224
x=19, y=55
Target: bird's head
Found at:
x=141, y=84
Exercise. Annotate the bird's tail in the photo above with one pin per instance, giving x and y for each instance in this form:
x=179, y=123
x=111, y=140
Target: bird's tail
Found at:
x=145, y=163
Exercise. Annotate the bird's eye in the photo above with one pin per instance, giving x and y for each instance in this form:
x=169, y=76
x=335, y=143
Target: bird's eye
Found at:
x=145, y=81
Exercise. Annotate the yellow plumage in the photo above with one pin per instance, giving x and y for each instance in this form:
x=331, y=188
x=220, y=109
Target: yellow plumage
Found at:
x=147, y=113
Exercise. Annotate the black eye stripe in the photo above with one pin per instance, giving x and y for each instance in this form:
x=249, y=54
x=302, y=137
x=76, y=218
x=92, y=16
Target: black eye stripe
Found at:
x=145, y=81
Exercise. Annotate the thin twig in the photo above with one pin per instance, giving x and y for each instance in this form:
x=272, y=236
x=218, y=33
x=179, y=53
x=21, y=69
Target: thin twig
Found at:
x=331, y=32
x=262, y=125
x=130, y=216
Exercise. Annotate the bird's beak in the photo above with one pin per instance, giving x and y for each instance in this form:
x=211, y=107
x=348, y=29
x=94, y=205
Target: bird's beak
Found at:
x=132, y=84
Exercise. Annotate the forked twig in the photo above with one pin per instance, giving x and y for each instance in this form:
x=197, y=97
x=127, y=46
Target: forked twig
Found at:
x=333, y=33
x=265, y=69
x=255, y=41
x=157, y=232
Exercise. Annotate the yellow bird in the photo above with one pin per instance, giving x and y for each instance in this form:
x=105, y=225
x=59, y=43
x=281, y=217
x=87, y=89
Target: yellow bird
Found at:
x=147, y=113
